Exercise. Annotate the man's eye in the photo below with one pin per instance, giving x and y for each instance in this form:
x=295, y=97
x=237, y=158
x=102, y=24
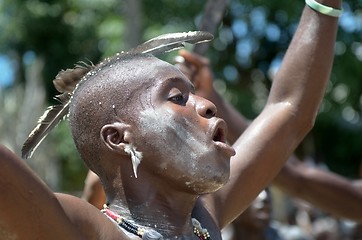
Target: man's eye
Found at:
x=179, y=98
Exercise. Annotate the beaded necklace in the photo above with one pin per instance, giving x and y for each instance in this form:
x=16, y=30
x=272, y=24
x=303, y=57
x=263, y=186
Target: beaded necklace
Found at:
x=127, y=225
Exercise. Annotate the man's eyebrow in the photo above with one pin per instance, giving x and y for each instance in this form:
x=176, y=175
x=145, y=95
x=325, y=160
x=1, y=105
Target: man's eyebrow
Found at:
x=183, y=80
x=193, y=90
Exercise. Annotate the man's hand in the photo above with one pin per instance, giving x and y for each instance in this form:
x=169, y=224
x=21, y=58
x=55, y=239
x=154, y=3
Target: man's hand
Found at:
x=197, y=69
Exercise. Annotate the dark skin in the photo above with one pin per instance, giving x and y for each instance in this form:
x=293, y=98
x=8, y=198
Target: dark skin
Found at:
x=148, y=106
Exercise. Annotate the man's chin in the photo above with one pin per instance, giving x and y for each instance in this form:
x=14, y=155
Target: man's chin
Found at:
x=214, y=184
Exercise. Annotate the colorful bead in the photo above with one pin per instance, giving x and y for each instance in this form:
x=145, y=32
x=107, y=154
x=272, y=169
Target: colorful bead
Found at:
x=200, y=232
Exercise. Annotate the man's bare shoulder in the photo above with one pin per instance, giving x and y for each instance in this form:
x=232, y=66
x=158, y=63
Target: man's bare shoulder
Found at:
x=91, y=223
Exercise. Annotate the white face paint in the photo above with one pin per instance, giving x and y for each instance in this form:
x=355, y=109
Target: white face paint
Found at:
x=135, y=155
x=163, y=126
x=174, y=134
x=184, y=152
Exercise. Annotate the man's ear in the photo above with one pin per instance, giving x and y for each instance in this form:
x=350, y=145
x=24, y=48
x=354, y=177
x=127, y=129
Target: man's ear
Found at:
x=116, y=136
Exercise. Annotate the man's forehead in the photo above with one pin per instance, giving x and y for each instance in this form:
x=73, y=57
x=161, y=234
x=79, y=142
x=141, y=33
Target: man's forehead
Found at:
x=170, y=74
x=156, y=70
x=151, y=64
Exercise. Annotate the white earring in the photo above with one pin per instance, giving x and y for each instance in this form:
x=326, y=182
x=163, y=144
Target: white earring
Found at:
x=136, y=157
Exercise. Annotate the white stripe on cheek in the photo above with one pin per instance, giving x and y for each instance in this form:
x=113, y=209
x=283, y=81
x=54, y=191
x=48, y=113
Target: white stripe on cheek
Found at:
x=172, y=133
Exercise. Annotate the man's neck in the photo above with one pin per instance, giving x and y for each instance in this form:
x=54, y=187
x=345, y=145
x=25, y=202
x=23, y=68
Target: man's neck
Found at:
x=167, y=213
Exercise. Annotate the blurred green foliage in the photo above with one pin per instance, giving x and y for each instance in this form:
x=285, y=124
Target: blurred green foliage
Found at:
x=246, y=50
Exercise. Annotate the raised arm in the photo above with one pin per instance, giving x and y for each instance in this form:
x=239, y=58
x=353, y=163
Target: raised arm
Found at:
x=29, y=210
x=288, y=116
x=326, y=190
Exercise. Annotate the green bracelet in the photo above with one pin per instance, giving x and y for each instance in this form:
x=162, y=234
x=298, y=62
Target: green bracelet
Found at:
x=324, y=9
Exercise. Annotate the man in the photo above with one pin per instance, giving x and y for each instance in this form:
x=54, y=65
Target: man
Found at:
x=160, y=151
x=328, y=191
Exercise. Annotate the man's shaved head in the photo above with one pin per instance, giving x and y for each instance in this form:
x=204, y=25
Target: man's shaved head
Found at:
x=105, y=96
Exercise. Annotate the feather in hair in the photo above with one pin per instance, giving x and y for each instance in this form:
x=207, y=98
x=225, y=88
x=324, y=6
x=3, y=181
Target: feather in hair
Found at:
x=51, y=117
x=67, y=80
x=171, y=41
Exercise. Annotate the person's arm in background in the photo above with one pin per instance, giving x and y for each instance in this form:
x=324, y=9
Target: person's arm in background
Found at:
x=325, y=190
x=358, y=184
x=197, y=69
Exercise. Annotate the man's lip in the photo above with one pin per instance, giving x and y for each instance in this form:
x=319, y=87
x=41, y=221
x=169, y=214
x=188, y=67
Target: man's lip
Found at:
x=219, y=132
x=219, y=138
x=226, y=148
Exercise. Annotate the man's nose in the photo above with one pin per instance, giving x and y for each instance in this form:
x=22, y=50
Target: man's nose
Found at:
x=204, y=107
